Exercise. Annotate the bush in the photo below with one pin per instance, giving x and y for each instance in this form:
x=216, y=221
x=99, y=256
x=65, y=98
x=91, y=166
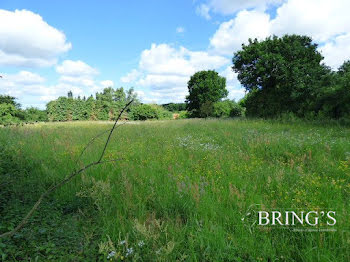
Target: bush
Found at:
x=145, y=111
x=8, y=114
x=35, y=115
x=183, y=115
x=227, y=108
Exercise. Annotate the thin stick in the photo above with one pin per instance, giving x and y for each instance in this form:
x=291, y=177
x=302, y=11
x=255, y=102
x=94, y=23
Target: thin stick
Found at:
x=93, y=140
x=110, y=134
x=66, y=180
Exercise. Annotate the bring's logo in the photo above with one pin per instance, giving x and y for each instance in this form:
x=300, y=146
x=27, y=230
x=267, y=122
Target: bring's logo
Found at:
x=294, y=219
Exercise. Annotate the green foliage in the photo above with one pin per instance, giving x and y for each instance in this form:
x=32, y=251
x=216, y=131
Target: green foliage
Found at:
x=205, y=88
x=33, y=114
x=175, y=107
x=206, y=109
x=106, y=106
x=146, y=111
x=8, y=114
x=183, y=115
x=281, y=74
x=227, y=108
x=334, y=100
x=5, y=99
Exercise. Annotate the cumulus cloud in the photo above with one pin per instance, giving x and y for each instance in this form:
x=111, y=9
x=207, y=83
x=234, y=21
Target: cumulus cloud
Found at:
x=24, y=84
x=234, y=87
x=32, y=89
x=27, y=40
x=131, y=77
x=165, y=70
x=231, y=34
x=321, y=19
x=80, y=78
x=107, y=83
x=326, y=21
x=75, y=68
x=167, y=60
x=336, y=51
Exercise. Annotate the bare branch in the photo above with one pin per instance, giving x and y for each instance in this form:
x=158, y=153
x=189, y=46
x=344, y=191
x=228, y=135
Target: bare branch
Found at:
x=93, y=140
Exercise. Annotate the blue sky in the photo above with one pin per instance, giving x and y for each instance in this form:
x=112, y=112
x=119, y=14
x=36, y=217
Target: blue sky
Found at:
x=50, y=47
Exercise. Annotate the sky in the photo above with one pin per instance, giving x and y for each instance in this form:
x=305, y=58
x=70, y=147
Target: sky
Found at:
x=48, y=48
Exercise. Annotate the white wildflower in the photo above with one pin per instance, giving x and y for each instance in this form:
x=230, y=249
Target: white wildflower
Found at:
x=141, y=244
x=129, y=251
x=111, y=254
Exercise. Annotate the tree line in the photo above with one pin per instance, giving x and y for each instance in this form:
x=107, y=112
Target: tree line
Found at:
x=282, y=76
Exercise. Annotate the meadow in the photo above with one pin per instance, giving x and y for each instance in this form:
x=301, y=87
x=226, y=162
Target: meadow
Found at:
x=182, y=190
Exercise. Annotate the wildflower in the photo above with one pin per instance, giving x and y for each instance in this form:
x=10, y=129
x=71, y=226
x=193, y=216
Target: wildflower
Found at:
x=129, y=251
x=122, y=242
x=141, y=244
x=111, y=254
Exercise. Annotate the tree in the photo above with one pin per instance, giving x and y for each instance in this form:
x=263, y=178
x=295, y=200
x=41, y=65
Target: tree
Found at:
x=205, y=88
x=334, y=100
x=280, y=74
x=5, y=99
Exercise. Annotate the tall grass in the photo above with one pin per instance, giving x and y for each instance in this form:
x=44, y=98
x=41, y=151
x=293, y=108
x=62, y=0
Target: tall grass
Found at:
x=179, y=194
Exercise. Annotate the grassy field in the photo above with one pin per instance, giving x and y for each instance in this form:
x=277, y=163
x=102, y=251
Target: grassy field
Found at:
x=180, y=193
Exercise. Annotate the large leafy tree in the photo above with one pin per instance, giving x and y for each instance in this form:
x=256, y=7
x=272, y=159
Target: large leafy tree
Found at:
x=280, y=74
x=205, y=88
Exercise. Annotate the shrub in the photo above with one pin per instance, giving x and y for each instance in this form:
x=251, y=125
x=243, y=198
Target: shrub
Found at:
x=145, y=111
x=35, y=115
x=227, y=108
x=183, y=115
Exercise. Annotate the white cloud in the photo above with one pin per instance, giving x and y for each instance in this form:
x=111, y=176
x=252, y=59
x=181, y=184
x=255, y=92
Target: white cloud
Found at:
x=158, y=82
x=27, y=40
x=231, y=34
x=336, y=51
x=180, y=30
x=75, y=68
x=32, y=89
x=24, y=84
x=164, y=71
x=131, y=77
x=234, y=87
x=165, y=59
x=107, y=83
x=78, y=77
x=326, y=21
x=85, y=81
x=24, y=77
x=203, y=10
x=321, y=19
